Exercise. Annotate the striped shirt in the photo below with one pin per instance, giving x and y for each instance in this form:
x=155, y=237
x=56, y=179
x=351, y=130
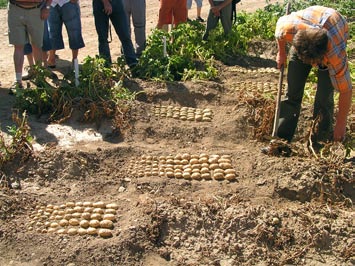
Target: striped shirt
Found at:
x=327, y=18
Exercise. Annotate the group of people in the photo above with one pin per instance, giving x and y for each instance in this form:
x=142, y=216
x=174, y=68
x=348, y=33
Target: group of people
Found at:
x=35, y=30
x=318, y=36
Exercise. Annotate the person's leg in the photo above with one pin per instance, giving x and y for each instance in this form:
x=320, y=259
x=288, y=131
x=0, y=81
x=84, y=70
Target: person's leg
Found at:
x=72, y=22
x=101, y=26
x=212, y=22
x=139, y=23
x=120, y=23
x=198, y=10
x=324, y=106
x=165, y=13
x=179, y=12
x=18, y=61
x=290, y=106
x=226, y=19
x=27, y=50
x=55, y=23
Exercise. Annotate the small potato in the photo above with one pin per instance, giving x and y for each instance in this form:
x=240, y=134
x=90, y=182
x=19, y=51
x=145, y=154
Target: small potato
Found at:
x=178, y=175
x=196, y=166
x=196, y=176
x=70, y=204
x=94, y=223
x=214, y=166
x=105, y=233
x=68, y=216
x=98, y=210
x=106, y=224
x=52, y=230
x=112, y=211
x=88, y=209
x=205, y=170
x=170, y=174
x=76, y=215
x=218, y=170
x=54, y=225
x=194, y=161
x=84, y=223
x=82, y=231
x=223, y=160
x=218, y=176
x=96, y=216
x=79, y=209
x=79, y=203
x=99, y=204
x=112, y=206
x=74, y=222
x=225, y=165
x=69, y=210
x=203, y=160
x=63, y=222
x=206, y=176
x=229, y=171
x=91, y=231
x=87, y=204
x=86, y=215
x=62, y=231
x=186, y=175
x=72, y=231
x=230, y=177
x=185, y=156
x=109, y=216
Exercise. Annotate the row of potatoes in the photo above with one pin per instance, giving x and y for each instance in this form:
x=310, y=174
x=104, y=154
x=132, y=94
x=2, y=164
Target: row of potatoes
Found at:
x=258, y=70
x=183, y=113
x=186, y=166
x=75, y=218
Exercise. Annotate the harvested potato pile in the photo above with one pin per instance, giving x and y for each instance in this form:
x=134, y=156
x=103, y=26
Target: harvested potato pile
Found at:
x=186, y=166
x=75, y=218
x=183, y=113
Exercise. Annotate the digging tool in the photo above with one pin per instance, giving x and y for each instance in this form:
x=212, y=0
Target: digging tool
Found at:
x=279, y=91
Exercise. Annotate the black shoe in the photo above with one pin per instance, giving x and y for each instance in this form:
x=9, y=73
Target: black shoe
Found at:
x=199, y=19
x=189, y=20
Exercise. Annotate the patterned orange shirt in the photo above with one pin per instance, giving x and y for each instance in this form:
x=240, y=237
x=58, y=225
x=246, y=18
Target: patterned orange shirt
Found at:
x=337, y=28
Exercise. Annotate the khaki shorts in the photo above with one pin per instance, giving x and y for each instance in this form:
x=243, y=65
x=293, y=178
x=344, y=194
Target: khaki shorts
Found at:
x=25, y=25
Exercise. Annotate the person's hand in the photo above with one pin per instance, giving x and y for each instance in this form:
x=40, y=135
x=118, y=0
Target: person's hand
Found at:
x=107, y=7
x=73, y=1
x=339, y=133
x=216, y=11
x=44, y=13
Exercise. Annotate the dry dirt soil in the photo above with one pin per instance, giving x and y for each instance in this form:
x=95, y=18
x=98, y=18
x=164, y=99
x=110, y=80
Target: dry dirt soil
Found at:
x=295, y=210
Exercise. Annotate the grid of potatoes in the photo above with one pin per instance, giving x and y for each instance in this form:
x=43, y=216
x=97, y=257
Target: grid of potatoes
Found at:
x=75, y=218
x=186, y=166
x=258, y=86
x=183, y=113
x=259, y=70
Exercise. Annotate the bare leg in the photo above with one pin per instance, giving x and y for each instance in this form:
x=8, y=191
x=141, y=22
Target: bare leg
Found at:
x=51, y=58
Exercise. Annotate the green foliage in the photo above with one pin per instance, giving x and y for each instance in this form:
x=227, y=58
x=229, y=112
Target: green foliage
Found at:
x=20, y=143
x=3, y=4
x=186, y=57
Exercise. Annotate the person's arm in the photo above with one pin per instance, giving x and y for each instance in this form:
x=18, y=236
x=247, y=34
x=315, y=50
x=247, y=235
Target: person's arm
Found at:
x=281, y=57
x=343, y=110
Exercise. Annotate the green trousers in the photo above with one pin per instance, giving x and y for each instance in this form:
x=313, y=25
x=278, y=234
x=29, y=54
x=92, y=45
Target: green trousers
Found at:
x=290, y=106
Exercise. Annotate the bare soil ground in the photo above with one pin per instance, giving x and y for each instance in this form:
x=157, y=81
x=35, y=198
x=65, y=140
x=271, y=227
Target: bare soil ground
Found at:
x=293, y=210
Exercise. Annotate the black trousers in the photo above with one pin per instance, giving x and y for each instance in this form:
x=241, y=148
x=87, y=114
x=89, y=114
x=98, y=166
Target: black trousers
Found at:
x=290, y=106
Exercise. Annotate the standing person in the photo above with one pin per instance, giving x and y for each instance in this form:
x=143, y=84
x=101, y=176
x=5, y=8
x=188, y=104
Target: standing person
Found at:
x=65, y=12
x=220, y=9
x=105, y=11
x=136, y=9
x=26, y=23
x=46, y=46
x=198, y=11
x=318, y=36
x=172, y=8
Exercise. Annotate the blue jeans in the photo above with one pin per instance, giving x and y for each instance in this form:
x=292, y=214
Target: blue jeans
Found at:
x=119, y=21
x=69, y=14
